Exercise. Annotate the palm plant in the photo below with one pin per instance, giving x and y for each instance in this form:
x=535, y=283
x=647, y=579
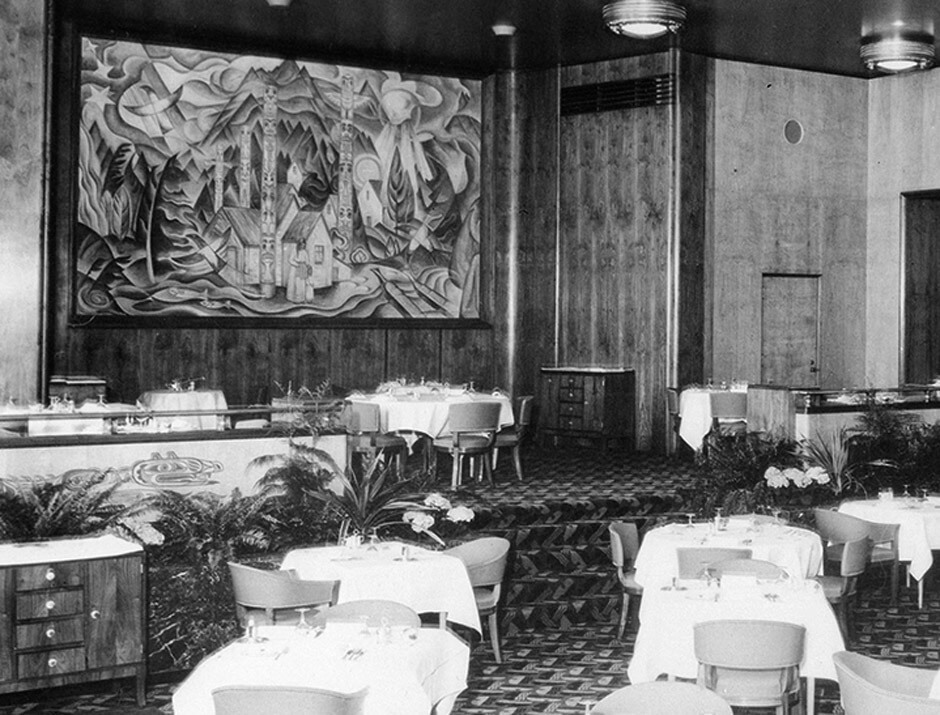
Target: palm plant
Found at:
x=830, y=450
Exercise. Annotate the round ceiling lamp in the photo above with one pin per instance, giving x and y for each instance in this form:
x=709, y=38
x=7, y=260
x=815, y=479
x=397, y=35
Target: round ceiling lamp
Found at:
x=643, y=19
x=898, y=52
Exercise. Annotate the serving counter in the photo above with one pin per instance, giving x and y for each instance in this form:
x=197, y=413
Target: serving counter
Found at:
x=800, y=414
x=141, y=451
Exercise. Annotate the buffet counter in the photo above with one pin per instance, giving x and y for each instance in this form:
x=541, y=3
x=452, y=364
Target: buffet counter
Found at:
x=148, y=450
x=800, y=414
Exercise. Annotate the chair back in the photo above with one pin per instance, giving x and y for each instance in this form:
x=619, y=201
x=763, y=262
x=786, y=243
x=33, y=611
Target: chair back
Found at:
x=855, y=557
x=376, y=612
x=747, y=567
x=624, y=543
x=360, y=417
x=273, y=590
x=728, y=405
x=473, y=417
x=749, y=644
x=284, y=700
x=884, y=537
x=485, y=559
x=672, y=402
x=693, y=560
x=837, y=528
x=523, y=409
x=870, y=686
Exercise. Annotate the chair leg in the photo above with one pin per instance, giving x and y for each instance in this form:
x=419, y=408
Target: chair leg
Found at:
x=895, y=579
x=487, y=469
x=517, y=461
x=494, y=637
x=455, y=471
x=624, y=610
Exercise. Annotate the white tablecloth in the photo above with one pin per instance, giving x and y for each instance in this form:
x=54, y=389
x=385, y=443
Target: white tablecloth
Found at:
x=665, y=644
x=427, y=413
x=799, y=551
x=695, y=414
x=404, y=677
x=430, y=583
x=186, y=400
x=919, y=531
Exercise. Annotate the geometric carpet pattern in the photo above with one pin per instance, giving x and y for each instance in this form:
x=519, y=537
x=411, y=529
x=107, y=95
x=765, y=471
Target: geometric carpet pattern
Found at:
x=558, y=619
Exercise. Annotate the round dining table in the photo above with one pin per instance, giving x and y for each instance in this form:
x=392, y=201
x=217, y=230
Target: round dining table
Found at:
x=798, y=551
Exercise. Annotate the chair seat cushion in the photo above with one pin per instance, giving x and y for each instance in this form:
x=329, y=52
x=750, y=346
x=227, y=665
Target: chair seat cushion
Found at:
x=879, y=554
x=629, y=582
x=753, y=688
x=507, y=439
x=376, y=441
x=468, y=443
x=832, y=587
x=485, y=597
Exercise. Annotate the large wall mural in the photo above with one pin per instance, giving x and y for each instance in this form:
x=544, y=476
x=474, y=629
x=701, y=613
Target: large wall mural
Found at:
x=217, y=185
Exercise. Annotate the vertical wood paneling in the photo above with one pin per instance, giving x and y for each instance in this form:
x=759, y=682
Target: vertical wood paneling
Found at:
x=414, y=354
x=357, y=358
x=21, y=156
x=465, y=357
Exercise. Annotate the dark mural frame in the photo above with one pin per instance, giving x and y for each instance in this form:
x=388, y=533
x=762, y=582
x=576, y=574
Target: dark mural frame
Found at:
x=219, y=188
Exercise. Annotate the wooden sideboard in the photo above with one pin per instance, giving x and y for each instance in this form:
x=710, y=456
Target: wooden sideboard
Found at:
x=588, y=403
x=73, y=611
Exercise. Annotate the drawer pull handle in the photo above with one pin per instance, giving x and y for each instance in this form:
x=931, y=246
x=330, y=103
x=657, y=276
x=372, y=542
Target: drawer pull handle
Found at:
x=95, y=614
x=53, y=662
x=50, y=604
x=50, y=575
x=50, y=633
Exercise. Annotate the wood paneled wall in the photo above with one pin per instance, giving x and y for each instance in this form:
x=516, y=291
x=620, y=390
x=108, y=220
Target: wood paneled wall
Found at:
x=627, y=246
x=903, y=138
x=22, y=85
x=777, y=207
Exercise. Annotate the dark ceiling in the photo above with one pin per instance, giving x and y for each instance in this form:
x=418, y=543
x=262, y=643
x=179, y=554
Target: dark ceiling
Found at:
x=454, y=36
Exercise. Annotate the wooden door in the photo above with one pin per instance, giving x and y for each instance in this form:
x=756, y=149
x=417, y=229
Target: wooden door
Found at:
x=114, y=602
x=921, y=338
x=790, y=330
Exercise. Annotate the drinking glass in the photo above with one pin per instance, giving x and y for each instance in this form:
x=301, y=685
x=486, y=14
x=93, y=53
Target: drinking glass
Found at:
x=302, y=626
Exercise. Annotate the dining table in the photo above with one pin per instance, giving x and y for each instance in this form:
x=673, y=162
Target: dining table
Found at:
x=919, y=528
x=423, y=412
x=428, y=581
x=798, y=551
x=695, y=411
x=667, y=615
x=407, y=671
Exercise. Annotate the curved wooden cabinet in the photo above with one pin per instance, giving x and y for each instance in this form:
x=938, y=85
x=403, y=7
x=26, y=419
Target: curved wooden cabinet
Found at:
x=73, y=611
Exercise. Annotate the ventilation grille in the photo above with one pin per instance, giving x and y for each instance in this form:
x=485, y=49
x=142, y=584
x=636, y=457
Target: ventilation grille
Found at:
x=624, y=94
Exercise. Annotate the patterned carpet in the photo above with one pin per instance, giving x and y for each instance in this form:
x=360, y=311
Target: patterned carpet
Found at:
x=559, y=634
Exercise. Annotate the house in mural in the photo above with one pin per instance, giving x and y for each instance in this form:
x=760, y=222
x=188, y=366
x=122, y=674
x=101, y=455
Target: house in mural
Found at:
x=370, y=203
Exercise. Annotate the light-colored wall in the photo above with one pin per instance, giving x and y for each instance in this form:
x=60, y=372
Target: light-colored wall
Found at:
x=903, y=155
x=22, y=86
x=776, y=207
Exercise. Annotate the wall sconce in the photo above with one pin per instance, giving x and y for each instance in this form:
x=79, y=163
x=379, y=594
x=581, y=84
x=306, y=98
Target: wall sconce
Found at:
x=643, y=19
x=898, y=52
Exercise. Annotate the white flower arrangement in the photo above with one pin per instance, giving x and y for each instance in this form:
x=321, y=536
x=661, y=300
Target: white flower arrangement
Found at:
x=421, y=519
x=777, y=478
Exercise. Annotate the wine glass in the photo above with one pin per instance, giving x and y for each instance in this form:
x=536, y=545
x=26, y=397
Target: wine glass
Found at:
x=373, y=539
x=302, y=626
x=775, y=513
x=690, y=516
x=906, y=494
x=923, y=494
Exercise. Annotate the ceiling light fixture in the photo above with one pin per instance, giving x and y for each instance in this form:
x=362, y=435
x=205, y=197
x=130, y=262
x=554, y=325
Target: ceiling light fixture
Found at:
x=503, y=29
x=279, y=3
x=643, y=19
x=898, y=52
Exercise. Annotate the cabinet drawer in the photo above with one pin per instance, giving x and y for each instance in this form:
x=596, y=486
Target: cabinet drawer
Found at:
x=568, y=381
x=571, y=394
x=568, y=410
x=571, y=423
x=42, y=604
x=50, y=662
x=44, y=634
x=49, y=576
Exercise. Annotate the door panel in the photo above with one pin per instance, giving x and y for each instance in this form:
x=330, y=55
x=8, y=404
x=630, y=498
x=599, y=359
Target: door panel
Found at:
x=790, y=330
